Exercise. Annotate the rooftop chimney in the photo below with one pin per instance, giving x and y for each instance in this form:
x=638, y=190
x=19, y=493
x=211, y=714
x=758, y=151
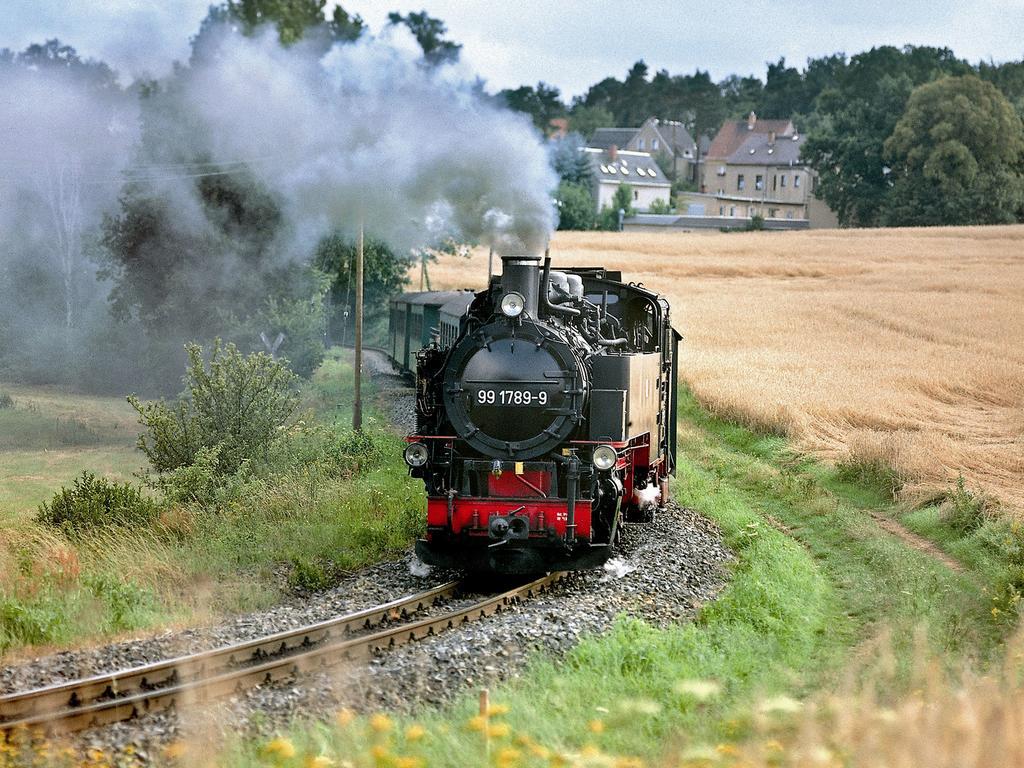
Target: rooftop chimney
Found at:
x=751, y=119
x=613, y=152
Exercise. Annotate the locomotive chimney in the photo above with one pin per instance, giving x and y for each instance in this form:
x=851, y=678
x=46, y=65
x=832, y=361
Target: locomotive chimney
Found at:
x=522, y=275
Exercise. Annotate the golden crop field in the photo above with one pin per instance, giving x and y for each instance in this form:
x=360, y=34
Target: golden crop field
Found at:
x=903, y=349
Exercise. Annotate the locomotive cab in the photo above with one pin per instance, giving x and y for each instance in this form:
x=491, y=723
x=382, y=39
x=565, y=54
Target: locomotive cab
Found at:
x=546, y=423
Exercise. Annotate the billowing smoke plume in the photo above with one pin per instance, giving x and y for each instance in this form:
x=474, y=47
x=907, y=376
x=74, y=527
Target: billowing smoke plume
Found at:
x=367, y=131
x=327, y=136
x=67, y=131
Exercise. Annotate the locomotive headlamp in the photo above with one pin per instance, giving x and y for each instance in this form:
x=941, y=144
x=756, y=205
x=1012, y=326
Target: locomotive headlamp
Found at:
x=512, y=304
x=416, y=454
x=604, y=457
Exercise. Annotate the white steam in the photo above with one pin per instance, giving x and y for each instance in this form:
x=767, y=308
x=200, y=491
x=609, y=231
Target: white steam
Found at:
x=366, y=131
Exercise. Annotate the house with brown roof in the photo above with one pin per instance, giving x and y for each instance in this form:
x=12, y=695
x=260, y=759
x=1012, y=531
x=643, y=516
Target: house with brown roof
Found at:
x=753, y=168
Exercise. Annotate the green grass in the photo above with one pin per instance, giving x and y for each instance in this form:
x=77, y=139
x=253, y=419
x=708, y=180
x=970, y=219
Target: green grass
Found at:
x=815, y=585
x=50, y=435
x=326, y=504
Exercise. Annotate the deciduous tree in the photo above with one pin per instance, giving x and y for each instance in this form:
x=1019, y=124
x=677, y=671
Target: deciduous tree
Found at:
x=957, y=156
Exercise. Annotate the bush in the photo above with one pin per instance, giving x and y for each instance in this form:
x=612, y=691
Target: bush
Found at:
x=575, y=207
x=964, y=510
x=6, y=401
x=660, y=206
x=95, y=502
x=756, y=223
x=237, y=407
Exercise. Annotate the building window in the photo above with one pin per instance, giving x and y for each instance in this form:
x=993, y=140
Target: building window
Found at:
x=732, y=210
x=654, y=143
x=641, y=144
x=796, y=181
x=775, y=182
x=721, y=210
x=783, y=180
x=636, y=194
x=759, y=182
x=772, y=212
x=789, y=214
x=750, y=211
x=721, y=170
x=741, y=183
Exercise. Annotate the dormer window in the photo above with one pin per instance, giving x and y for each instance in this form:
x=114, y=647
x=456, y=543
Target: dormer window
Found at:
x=654, y=144
x=640, y=144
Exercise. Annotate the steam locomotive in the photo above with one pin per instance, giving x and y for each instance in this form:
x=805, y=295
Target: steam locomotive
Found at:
x=546, y=415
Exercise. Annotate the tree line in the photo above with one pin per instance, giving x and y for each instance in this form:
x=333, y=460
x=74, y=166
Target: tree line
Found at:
x=899, y=136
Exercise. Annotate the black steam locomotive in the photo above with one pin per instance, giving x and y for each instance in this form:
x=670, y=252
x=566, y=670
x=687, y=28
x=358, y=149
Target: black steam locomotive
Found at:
x=546, y=415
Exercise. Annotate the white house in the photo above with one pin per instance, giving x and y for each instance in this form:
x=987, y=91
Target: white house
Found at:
x=612, y=167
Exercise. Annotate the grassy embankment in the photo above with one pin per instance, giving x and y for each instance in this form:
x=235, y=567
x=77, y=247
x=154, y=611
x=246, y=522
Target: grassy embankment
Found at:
x=821, y=599
x=324, y=504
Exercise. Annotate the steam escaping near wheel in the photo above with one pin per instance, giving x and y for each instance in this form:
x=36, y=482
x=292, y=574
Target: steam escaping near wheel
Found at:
x=648, y=497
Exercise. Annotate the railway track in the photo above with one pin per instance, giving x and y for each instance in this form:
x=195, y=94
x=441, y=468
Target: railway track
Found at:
x=207, y=676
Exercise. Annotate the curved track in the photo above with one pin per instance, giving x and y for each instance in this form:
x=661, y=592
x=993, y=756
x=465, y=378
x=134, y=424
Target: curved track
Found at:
x=211, y=675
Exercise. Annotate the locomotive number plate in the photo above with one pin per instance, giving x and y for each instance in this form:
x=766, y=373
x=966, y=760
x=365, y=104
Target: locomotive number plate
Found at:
x=521, y=397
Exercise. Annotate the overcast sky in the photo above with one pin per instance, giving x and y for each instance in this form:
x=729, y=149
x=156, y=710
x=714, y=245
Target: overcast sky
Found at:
x=568, y=44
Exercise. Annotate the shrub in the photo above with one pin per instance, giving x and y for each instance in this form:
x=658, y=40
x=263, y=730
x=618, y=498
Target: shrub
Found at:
x=964, y=510
x=660, y=206
x=237, y=407
x=94, y=502
x=575, y=207
x=6, y=401
x=756, y=223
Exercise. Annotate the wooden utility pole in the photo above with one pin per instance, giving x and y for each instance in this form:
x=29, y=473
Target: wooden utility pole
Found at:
x=490, y=266
x=357, y=408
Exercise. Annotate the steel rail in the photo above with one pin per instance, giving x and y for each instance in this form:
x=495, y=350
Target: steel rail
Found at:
x=203, y=685
x=16, y=707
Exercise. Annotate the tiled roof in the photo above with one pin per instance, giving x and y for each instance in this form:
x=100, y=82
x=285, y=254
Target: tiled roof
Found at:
x=735, y=132
x=603, y=138
x=636, y=168
x=758, y=150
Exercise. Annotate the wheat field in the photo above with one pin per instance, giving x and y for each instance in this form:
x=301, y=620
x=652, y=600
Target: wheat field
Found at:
x=897, y=349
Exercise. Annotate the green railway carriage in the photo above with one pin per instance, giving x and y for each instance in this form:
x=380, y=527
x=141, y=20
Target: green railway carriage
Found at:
x=418, y=317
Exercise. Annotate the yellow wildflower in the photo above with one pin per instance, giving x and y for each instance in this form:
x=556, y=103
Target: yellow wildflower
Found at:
x=496, y=710
x=408, y=762
x=773, y=745
x=415, y=732
x=320, y=761
x=499, y=730
x=279, y=747
x=477, y=723
x=379, y=752
x=729, y=750
x=507, y=757
x=596, y=726
x=380, y=723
